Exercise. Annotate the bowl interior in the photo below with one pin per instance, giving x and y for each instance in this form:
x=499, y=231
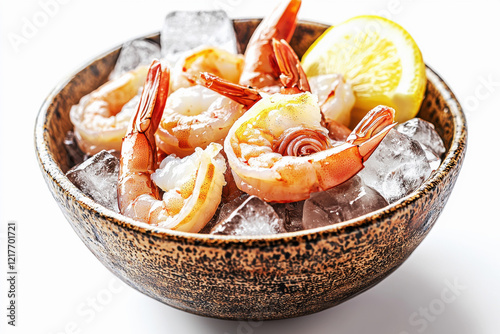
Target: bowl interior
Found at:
x=435, y=107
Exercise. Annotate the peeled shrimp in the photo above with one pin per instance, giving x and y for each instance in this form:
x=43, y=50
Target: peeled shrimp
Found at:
x=99, y=121
x=195, y=117
x=279, y=151
x=192, y=186
x=214, y=60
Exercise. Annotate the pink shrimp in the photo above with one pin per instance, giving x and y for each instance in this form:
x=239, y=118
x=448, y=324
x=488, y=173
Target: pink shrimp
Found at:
x=192, y=186
x=279, y=151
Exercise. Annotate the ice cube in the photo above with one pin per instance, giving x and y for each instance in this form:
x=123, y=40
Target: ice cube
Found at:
x=185, y=30
x=291, y=214
x=348, y=200
x=97, y=177
x=424, y=133
x=397, y=167
x=252, y=217
x=135, y=53
x=433, y=160
x=226, y=207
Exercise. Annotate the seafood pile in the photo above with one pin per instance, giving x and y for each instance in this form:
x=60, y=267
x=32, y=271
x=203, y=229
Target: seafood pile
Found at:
x=211, y=141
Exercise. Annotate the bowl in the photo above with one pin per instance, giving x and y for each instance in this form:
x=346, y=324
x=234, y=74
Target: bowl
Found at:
x=269, y=277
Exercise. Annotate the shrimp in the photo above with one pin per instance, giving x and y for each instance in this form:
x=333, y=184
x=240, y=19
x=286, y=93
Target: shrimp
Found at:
x=195, y=117
x=279, y=151
x=206, y=59
x=293, y=80
x=260, y=70
x=99, y=118
x=192, y=186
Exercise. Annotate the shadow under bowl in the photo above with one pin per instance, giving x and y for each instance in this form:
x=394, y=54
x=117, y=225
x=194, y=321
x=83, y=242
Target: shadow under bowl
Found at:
x=269, y=277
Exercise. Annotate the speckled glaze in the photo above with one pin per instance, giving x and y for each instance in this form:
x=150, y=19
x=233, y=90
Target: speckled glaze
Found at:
x=272, y=277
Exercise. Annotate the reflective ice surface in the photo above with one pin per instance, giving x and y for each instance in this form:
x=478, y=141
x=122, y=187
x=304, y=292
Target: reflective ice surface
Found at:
x=97, y=177
x=348, y=200
x=186, y=30
x=252, y=217
x=135, y=53
x=397, y=167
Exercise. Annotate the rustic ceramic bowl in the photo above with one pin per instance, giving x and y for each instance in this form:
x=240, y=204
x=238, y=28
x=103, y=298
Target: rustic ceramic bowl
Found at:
x=270, y=277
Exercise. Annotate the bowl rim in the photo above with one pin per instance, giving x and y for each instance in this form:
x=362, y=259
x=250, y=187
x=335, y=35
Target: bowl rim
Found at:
x=52, y=170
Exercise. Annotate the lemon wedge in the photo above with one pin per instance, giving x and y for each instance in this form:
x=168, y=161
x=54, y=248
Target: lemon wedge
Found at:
x=379, y=58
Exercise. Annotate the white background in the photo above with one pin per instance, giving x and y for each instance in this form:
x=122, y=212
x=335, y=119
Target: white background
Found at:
x=63, y=288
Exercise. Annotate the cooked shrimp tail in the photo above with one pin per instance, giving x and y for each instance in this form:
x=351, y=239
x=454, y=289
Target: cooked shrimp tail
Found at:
x=246, y=96
x=371, y=130
x=152, y=101
x=292, y=77
x=282, y=21
x=138, y=156
x=260, y=70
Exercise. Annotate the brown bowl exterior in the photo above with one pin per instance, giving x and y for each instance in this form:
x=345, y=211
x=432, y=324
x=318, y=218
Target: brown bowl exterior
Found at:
x=271, y=277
